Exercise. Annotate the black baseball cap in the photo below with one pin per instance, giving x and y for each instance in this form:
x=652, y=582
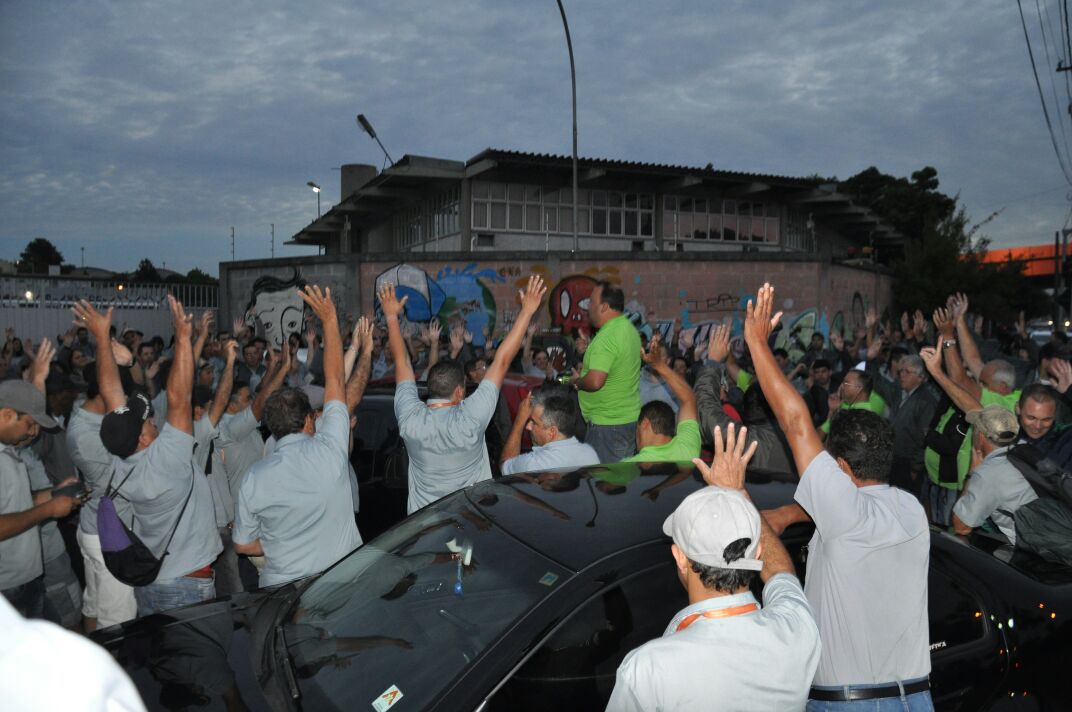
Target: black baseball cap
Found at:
x=121, y=428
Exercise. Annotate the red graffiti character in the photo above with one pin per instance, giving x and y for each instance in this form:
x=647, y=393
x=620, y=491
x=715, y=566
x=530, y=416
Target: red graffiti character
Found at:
x=569, y=303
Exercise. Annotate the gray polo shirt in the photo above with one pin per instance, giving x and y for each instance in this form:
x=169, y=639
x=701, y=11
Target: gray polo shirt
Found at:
x=241, y=446
x=867, y=578
x=719, y=662
x=445, y=443
x=297, y=501
x=160, y=477
x=52, y=545
x=20, y=556
x=567, y=454
x=994, y=487
x=222, y=503
x=96, y=465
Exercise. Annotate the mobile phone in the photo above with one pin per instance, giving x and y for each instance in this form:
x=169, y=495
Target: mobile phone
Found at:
x=75, y=489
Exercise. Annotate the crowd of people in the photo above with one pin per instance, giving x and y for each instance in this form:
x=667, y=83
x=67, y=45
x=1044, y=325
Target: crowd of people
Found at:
x=230, y=463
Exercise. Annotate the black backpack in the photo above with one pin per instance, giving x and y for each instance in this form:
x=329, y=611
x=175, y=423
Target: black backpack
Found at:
x=1044, y=526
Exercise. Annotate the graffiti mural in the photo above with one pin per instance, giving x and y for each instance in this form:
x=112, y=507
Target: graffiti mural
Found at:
x=569, y=303
x=275, y=306
x=453, y=295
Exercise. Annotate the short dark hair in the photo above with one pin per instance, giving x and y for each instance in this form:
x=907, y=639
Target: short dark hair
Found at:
x=726, y=580
x=612, y=295
x=864, y=440
x=561, y=412
x=661, y=416
x=286, y=411
x=898, y=352
x=1040, y=392
x=867, y=383
x=470, y=365
x=821, y=363
x=444, y=377
x=781, y=352
x=145, y=345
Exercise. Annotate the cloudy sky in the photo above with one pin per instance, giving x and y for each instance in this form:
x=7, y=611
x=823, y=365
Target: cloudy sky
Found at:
x=148, y=129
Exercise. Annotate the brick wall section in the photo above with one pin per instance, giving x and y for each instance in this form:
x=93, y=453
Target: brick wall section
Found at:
x=664, y=285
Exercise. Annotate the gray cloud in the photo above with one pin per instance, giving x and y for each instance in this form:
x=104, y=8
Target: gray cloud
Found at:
x=149, y=129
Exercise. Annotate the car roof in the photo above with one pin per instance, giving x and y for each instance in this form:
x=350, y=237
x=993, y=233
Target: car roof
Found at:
x=580, y=517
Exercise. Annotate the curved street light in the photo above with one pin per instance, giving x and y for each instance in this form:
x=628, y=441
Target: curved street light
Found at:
x=573, y=84
x=316, y=189
x=367, y=128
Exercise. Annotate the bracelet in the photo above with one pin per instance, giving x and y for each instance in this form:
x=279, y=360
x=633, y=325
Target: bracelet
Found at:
x=949, y=343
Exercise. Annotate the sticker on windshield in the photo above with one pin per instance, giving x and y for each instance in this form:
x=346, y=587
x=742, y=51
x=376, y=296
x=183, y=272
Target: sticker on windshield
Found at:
x=387, y=700
x=548, y=579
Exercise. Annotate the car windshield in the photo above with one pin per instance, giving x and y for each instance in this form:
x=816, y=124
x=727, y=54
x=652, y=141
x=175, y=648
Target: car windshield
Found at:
x=405, y=614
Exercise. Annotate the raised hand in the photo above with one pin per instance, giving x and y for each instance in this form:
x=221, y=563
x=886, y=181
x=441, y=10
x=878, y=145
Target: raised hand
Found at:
x=874, y=350
x=932, y=358
x=457, y=341
x=98, y=324
x=1061, y=371
x=363, y=335
x=320, y=302
x=958, y=304
x=731, y=458
x=943, y=323
x=871, y=317
x=468, y=336
x=919, y=325
x=205, y=323
x=837, y=341
x=390, y=303
x=532, y=295
x=434, y=332
x=655, y=355
x=718, y=349
x=42, y=361
x=905, y=328
x=758, y=322
x=230, y=351
x=182, y=321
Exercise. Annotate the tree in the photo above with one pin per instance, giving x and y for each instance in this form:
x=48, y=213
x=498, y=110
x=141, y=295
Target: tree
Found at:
x=197, y=276
x=942, y=250
x=146, y=272
x=38, y=255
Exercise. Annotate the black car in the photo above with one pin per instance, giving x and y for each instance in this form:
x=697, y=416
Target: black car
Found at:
x=559, y=576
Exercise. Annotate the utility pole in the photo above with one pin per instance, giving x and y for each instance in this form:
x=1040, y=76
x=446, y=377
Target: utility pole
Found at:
x=232, y=243
x=273, y=240
x=83, y=257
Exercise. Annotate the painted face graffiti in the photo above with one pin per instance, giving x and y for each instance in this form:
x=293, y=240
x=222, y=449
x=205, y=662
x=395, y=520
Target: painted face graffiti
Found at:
x=569, y=303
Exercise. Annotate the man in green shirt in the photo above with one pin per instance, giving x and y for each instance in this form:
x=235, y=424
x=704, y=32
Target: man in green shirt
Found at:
x=657, y=438
x=857, y=392
x=608, y=382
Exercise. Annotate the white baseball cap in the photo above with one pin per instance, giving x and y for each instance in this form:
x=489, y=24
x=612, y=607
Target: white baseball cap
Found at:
x=708, y=521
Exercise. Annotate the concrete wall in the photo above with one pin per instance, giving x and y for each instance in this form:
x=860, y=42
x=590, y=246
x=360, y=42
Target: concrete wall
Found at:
x=480, y=288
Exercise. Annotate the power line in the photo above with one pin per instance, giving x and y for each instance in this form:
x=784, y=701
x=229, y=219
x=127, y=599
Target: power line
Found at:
x=1067, y=58
x=1053, y=82
x=1042, y=97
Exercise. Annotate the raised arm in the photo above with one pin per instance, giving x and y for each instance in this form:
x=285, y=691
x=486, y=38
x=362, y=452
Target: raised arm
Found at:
x=42, y=363
x=961, y=398
x=530, y=296
x=203, y=327
x=434, y=332
x=181, y=377
x=392, y=310
x=789, y=408
x=278, y=368
x=355, y=385
x=324, y=308
x=223, y=391
x=99, y=325
x=655, y=358
x=512, y=447
x=965, y=339
x=526, y=348
x=945, y=323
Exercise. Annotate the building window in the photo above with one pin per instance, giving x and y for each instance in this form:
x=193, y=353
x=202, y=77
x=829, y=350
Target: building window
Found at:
x=692, y=218
x=430, y=219
x=538, y=209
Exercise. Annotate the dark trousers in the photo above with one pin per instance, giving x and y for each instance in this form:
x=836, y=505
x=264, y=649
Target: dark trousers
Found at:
x=28, y=598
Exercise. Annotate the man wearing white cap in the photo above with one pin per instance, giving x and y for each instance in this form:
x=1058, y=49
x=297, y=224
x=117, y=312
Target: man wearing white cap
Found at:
x=714, y=652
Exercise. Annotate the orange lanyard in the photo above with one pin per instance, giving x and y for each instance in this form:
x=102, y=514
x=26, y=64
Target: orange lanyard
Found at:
x=720, y=613
x=440, y=405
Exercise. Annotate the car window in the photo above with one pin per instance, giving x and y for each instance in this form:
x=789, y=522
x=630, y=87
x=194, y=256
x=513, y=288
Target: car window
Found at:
x=956, y=615
x=404, y=615
x=575, y=668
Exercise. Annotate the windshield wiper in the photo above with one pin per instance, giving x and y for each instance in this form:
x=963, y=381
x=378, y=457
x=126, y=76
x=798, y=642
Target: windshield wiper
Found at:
x=283, y=658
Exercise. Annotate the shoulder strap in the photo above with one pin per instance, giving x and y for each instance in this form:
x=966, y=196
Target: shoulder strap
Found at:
x=193, y=480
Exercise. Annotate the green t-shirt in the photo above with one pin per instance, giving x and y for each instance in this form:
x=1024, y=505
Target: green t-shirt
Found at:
x=745, y=380
x=931, y=459
x=874, y=403
x=615, y=350
x=682, y=448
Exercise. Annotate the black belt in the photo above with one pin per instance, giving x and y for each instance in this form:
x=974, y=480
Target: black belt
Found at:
x=868, y=693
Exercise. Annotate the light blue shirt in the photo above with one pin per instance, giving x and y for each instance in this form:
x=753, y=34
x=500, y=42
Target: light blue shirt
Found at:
x=719, y=663
x=445, y=444
x=297, y=501
x=994, y=488
x=556, y=456
x=96, y=465
x=52, y=546
x=161, y=475
x=20, y=555
x=241, y=446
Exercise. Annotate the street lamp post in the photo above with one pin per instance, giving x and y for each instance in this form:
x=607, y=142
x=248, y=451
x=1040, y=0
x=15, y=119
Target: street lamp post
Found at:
x=367, y=128
x=573, y=84
x=316, y=189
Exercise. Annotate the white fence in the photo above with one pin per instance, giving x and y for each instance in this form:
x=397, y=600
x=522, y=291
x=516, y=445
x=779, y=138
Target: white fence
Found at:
x=36, y=307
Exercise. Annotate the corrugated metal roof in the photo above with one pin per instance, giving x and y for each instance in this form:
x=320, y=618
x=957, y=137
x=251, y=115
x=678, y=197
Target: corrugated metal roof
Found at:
x=529, y=157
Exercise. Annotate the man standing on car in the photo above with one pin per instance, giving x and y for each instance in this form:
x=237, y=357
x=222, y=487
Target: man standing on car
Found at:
x=608, y=382
x=714, y=651
x=445, y=437
x=868, y=559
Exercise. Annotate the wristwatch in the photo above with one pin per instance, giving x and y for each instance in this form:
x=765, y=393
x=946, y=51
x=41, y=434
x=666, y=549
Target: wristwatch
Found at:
x=949, y=343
